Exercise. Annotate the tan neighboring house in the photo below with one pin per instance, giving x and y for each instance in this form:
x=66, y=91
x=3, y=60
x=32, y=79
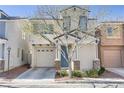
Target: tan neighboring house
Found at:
x=111, y=49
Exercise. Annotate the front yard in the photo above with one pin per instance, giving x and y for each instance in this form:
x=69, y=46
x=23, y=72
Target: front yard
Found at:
x=78, y=75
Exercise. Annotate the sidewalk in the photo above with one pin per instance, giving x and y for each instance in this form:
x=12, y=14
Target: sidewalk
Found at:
x=93, y=80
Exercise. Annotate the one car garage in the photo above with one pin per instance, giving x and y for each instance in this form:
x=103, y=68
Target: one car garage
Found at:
x=112, y=57
x=45, y=56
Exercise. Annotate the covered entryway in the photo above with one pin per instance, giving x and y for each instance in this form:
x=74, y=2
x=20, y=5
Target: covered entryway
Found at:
x=112, y=58
x=45, y=56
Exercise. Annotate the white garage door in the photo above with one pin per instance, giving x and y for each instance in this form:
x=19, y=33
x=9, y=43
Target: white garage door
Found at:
x=45, y=57
x=112, y=58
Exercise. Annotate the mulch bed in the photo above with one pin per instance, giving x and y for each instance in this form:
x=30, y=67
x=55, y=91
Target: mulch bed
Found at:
x=13, y=73
x=106, y=74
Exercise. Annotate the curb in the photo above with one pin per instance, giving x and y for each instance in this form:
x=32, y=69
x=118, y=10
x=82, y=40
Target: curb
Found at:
x=92, y=80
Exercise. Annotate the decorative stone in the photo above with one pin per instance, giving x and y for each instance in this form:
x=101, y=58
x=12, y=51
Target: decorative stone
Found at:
x=96, y=64
x=76, y=65
x=57, y=64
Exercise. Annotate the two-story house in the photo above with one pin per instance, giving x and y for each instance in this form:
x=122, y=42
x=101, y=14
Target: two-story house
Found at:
x=45, y=54
x=111, y=49
x=13, y=39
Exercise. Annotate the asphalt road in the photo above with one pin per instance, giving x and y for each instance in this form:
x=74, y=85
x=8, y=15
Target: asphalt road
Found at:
x=64, y=85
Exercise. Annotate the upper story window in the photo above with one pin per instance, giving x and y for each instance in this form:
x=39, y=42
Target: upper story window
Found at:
x=109, y=31
x=2, y=29
x=51, y=29
x=83, y=23
x=44, y=28
x=67, y=23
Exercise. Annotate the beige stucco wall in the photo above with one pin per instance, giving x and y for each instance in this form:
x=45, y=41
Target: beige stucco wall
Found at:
x=87, y=53
x=15, y=36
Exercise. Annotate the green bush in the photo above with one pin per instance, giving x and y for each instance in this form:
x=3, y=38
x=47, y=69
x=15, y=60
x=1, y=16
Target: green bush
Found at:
x=62, y=73
x=101, y=71
x=92, y=73
x=78, y=73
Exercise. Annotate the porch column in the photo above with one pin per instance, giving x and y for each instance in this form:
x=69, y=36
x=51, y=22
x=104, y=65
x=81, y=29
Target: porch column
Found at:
x=76, y=61
x=57, y=59
x=57, y=53
x=96, y=61
x=77, y=52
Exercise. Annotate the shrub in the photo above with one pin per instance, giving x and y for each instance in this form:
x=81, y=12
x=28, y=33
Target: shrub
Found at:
x=101, y=71
x=78, y=73
x=62, y=73
x=92, y=73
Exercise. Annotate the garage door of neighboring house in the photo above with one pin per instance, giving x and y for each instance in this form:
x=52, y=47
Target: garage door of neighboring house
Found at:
x=112, y=58
x=45, y=57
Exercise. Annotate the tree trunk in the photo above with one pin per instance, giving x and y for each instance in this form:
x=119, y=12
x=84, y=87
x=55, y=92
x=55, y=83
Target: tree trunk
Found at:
x=70, y=69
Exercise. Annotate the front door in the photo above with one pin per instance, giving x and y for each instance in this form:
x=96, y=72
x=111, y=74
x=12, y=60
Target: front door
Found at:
x=64, y=57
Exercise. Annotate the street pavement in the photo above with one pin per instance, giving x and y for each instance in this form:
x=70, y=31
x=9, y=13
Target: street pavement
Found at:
x=45, y=78
x=54, y=84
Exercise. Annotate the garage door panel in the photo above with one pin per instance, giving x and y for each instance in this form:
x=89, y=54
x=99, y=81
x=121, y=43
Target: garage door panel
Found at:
x=45, y=57
x=112, y=58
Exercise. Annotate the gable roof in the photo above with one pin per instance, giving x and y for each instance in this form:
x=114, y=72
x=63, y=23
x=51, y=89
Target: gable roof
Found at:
x=1, y=11
x=74, y=6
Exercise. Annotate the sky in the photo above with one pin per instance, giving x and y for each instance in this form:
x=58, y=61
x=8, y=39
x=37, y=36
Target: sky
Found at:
x=110, y=12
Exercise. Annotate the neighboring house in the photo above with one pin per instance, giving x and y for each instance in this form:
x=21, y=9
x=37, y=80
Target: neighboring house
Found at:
x=45, y=55
x=11, y=36
x=111, y=49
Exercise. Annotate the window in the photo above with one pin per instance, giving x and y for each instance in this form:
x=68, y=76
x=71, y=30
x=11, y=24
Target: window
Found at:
x=109, y=31
x=38, y=50
x=36, y=28
x=22, y=55
x=83, y=23
x=43, y=28
x=2, y=29
x=67, y=23
x=50, y=28
x=18, y=52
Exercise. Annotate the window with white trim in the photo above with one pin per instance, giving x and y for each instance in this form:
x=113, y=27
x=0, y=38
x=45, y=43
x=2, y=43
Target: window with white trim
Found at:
x=66, y=23
x=109, y=31
x=83, y=23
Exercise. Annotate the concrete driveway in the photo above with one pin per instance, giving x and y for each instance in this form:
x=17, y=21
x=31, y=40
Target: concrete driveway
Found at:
x=118, y=71
x=38, y=73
